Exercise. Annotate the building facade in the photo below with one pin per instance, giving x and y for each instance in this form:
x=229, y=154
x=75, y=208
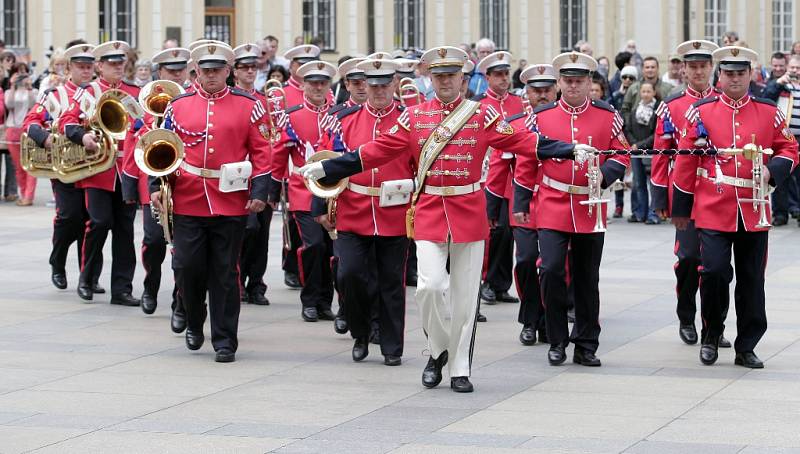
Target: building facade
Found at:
x=535, y=30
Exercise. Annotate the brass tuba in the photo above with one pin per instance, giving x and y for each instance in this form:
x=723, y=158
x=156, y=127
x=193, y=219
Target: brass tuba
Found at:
x=108, y=119
x=36, y=161
x=408, y=90
x=156, y=96
x=158, y=153
x=327, y=192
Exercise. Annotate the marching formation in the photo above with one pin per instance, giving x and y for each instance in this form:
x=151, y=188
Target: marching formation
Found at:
x=384, y=182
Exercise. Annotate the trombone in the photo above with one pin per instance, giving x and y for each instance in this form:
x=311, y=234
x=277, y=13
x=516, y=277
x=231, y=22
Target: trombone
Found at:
x=327, y=192
x=407, y=89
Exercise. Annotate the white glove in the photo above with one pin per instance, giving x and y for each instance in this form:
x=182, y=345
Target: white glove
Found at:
x=313, y=171
x=583, y=152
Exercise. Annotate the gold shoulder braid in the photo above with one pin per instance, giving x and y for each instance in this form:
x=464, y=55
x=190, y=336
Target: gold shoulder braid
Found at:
x=436, y=142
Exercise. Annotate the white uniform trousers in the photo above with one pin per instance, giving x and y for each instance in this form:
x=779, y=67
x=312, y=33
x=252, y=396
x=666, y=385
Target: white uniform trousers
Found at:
x=437, y=294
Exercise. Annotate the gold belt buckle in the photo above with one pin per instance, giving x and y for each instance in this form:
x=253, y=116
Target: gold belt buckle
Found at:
x=373, y=191
x=205, y=173
x=449, y=190
x=572, y=189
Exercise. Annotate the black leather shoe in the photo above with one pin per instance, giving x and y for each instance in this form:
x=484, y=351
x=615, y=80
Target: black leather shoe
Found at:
x=505, y=297
x=326, y=314
x=85, y=292
x=125, y=299
x=724, y=343
x=688, y=334
x=571, y=315
x=340, y=325
x=360, y=349
x=310, y=314
x=258, y=299
x=709, y=351
x=528, y=335
x=225, y=356
x=375, y=337
x=391, y=360
x=59, y=280
x=556, y=355
x=543, y=335
x=432, y=374
x=97, y=288
x=291, y=280
x=481, y=318
x=149, y=304
x=194, y=340
x=411, y=280
x=779, y=219
x=177, y=321
x=487, y=294
x=748, y=359
x=461, y=385
x=585, y=358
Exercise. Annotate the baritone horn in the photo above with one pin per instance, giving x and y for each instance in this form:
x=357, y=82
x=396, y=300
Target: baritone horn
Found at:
x=156, y=96
x=327, y=192
x=159, y=153
x=408, y=90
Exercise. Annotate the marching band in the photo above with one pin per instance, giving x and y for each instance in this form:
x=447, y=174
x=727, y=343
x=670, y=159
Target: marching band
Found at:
x=388, y=188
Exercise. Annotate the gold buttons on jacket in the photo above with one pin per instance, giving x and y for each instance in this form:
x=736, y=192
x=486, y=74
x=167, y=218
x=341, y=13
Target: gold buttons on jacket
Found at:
x=211, y=151
x=211, y=103
x=211, y=112
x=210, y=125
x=210, y=137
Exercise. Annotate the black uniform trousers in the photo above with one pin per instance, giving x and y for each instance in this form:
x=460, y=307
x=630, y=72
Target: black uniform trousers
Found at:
x=750, y=259
x=108, y=212
x=69, y=226
x=587, y=251
x=207, y=260
x=372, y=270
x=501, y=253
x=154, y=250
x=291, y=244
x=531, y=310
x=411, y=262
x=255, y=248
x=314, y=262
x=687, y=250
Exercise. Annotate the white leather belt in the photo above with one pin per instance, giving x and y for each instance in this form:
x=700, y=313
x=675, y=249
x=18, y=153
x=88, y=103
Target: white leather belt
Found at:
x=200, y=172
x=564, y=187
x=364, y=190
x=446, y=191
x=732, y=181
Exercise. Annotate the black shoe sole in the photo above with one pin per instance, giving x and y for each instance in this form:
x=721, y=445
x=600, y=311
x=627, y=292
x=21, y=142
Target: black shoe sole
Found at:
x=193, y=347
x=57, y=285
x=739, y=362
x=87, y=297
x=557, y=363
x=387, y=362
x=225, y=358
x=586, y=364
x=462, y=390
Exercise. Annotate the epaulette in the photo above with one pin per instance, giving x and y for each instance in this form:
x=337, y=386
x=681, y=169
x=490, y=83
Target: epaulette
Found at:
x=239, y=92
x=544, y=107
x=603, y=105
x=511, y=93
x=674, y=96
x=478, y=97
x=515, y=117
x=401, y=107
x=183, y=95
x=350, y=110
x=402, y=120
x=705, y=101
x=289, y=110
x=130, y=84
x=337, y=108
x=764, y=101
x=491, y=115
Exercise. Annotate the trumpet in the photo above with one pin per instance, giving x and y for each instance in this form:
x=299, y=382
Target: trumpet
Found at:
x=159, y=153
x=156, y=96
x=761, y=189
x=595, y=190
x=327, y=192
x=408, y=89
x=276, y=102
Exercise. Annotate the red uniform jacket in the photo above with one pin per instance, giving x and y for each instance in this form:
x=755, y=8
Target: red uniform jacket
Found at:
x=459, y=218
x=39, y=119
x=559, y=210
x=217, y=129
x=728, y=123
x=71, y=123
x=300, y=124
x=359, y=213
x=671, y=120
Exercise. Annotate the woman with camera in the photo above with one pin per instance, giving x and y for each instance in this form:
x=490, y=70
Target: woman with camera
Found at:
x=18, y=99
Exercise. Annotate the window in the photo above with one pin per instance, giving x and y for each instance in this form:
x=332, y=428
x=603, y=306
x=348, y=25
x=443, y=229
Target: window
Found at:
x=494, y=22
x=409, y=24
x=573, y=23
x=220, y=20
x=319, y=23
x=12, y=23
x=716, y=20
x=118, y=21
x=782, y=25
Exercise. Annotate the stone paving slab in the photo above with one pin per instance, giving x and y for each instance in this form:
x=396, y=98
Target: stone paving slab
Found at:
x=87, y=378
